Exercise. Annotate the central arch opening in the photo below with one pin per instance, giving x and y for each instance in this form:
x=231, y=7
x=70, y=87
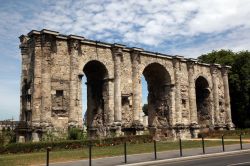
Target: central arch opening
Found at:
x=96, y=74
x=159, y=86
x=203, y=102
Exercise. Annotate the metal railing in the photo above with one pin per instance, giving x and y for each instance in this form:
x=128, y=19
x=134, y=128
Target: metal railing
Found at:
x=154, y=149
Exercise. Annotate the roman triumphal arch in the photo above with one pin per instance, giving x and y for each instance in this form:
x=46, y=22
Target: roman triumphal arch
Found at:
x=184, y=96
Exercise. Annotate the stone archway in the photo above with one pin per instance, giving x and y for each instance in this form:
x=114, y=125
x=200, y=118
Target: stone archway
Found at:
x=96, y=74
x=203, y=102
x=159, y=99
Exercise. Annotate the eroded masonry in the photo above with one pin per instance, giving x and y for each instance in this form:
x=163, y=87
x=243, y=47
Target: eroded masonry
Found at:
x=184, y=96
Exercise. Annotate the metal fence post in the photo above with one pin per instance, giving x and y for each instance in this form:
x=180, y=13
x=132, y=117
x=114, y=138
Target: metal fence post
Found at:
x=48, y=150
x=90, y=154
x=155, y=150
x=241, y=142
x=125, y=152
x=203, y=145
x=180, y=147
x=222, y=141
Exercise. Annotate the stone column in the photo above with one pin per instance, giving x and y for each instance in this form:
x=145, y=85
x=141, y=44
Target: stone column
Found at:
x=177, y=61
x=214, y=71
x=117, y=55
x=36, y=88
x=80, y=111
x=110, y=100
x=227, y=96
x=48, y=37
x=89, y=105
x=35, y=37
x=25, y=62
x=191, y=92
x=136, y=99
x=74, y=51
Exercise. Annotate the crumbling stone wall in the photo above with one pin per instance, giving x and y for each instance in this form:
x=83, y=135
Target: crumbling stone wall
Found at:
x=51, y=89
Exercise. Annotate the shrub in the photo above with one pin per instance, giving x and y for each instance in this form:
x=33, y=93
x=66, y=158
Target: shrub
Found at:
x=71, y=144
x=76, y=134
x=219, y=133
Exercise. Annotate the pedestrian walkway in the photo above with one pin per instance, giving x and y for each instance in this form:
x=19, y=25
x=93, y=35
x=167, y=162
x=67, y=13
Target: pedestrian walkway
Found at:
x=136, y=158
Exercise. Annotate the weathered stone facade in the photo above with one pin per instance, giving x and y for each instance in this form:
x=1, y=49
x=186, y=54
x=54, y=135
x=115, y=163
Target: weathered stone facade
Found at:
x=184, y=95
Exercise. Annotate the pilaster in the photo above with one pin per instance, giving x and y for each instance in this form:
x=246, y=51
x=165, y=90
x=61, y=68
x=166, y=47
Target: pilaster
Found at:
x=227, y=97
x=48, y=40
x=117, y=56
x=176, y=63
x=192, y=93
x=136, y=98
x=35, y=39
x=74, y=47
x=214, y=73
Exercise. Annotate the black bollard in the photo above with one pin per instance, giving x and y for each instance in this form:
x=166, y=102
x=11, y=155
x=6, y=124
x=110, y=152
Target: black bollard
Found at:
x=241, y=142
x=125, y=152
x=90, y=154
x=222, y=141
x=180, y=147
x=203, y=145
x=155, y=150
x=48, y=150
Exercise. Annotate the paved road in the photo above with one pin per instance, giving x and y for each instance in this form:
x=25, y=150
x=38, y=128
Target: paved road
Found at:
x=119, y=160
x=239, y=159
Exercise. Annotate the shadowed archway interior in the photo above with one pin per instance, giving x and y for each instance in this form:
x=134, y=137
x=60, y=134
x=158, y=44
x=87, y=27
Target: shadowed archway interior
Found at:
x=158, y=81
x=203, y=101
x=96, y=74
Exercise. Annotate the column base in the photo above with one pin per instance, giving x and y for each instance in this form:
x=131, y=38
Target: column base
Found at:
x=194, y=130
x=35, y=137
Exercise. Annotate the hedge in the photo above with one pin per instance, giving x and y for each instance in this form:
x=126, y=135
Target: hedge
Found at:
x=70, y=144
x=219, y=133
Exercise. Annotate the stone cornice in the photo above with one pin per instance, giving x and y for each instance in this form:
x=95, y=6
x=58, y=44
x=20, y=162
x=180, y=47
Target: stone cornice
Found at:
x=117, y=45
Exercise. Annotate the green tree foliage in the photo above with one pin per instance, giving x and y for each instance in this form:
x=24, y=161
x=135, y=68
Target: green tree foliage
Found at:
x=239, y=82
x=145, y=109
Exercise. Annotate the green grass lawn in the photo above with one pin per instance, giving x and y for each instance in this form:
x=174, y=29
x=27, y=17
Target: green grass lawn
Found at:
x=68, y=155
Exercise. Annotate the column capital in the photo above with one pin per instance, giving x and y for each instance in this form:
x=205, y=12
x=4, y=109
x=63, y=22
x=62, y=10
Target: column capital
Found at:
x=74, y=43
x=225, y=70
x=23, y=40
x=117, y=49
x=191, y=62
x=214, y=68
x=135, y=54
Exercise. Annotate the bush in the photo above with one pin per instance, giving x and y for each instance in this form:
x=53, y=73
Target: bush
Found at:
x=71, y=144
x=76, y=134
x=219, y=133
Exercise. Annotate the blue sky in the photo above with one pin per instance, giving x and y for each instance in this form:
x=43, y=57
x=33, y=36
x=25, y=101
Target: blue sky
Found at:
x=188, y=28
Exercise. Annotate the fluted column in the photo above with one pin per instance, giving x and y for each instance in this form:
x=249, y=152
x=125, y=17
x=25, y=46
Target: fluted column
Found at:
x=176, y=62
x=214, y=73
x=191, y=91
x=117, y=55
x=227, y=95
x=136, y=100
x=74, y=46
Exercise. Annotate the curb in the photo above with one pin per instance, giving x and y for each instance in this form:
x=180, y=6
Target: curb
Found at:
x=186, y=158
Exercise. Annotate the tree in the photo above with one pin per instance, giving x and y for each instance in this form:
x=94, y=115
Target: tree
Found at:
x=239, y=82
x=145, y=109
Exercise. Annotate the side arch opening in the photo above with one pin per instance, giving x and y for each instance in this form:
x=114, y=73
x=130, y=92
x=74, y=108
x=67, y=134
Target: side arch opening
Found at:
x=96, y=117
x=158, y=99
x=203, y=102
